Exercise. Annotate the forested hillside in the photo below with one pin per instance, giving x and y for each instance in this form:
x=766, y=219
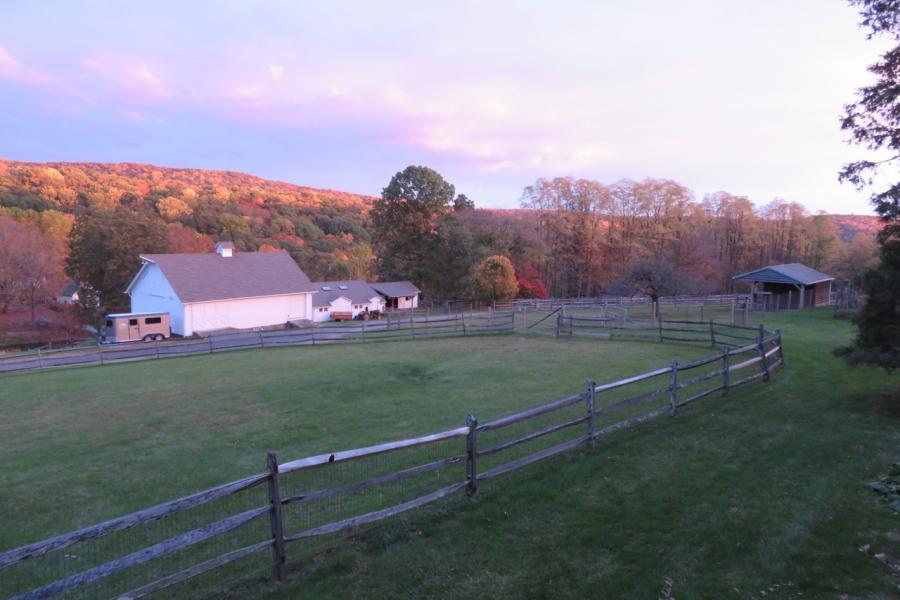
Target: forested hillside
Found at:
x=322, y=229
x=570, y=238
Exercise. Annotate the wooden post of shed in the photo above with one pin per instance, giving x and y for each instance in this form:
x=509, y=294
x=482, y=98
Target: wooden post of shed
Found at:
x=471, y=456
x=276, y=518
x=589, y=402
x=673, y=388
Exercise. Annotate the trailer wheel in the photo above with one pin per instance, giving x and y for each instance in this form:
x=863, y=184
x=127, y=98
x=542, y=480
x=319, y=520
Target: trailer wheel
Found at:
x=160, y=336
x=147, y=338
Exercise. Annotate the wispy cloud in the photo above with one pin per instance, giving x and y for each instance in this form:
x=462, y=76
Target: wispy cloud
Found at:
x=494, y=93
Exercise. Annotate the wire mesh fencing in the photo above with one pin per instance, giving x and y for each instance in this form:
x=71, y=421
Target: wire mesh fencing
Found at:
x=202, y=543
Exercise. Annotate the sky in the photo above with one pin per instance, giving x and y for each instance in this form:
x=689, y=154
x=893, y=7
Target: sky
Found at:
x=718, y=95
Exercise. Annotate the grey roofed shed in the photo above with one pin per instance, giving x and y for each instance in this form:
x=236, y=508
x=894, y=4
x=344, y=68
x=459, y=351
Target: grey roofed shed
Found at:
x=357, y=291
x=395, y=289
x=796, y=283
x=792, y=273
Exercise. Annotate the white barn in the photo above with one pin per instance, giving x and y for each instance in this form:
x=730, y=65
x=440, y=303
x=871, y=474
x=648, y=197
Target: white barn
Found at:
x=347, y=297
x=221, y=290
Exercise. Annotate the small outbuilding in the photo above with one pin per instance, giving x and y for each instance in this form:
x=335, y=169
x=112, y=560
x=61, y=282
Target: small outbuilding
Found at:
x=787, y=286
x=398, y=294
x=342, y=298
x=69, y=293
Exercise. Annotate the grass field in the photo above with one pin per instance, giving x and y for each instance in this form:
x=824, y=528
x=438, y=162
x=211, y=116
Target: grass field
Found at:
x=760, y=492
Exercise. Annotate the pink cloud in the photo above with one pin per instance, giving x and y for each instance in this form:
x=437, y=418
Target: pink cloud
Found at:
x=14, y=70
x=128, y=79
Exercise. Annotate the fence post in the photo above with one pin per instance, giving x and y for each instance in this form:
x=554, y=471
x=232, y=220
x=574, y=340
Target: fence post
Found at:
x=463, y=315
x=725, y=372
x=275, y=518
x=471, y=456
x=762, y=333
x=763, y=364
x=210, y=343
x=712, y=334
x=313, y=332
x=100, y=352
x=589, y=396
x=363, y=330
x=673, y=388
x=780, y=348
x=157, y=348
x=659, y=321
x=558, y=323
x=262, y=343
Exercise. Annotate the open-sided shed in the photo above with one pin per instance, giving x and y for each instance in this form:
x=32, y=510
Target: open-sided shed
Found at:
x=792, y=285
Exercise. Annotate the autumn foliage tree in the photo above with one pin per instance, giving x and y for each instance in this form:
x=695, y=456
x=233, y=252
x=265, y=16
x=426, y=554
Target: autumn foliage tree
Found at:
x=495, y=279
x=30, y=264
x=657, y=277
x=104, y=249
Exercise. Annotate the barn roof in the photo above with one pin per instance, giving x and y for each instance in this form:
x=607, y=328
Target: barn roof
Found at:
x=207, y=277
x=356, y=290
x=791, y=273
x=393, y=289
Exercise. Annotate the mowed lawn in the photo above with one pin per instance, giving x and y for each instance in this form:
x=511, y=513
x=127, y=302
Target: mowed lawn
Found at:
x=761, y=494
x=114, y=439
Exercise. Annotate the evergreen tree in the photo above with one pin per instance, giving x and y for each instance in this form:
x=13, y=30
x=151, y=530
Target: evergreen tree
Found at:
x=874, y=122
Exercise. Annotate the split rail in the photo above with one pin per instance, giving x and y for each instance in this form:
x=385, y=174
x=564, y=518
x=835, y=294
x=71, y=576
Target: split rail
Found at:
x=286, y=508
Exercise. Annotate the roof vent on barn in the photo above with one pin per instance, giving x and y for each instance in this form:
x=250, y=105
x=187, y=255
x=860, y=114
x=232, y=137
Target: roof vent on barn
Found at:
x=224, y=249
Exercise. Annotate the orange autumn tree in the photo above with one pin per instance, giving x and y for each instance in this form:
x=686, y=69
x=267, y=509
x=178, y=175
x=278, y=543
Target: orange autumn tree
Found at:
x=495, y=279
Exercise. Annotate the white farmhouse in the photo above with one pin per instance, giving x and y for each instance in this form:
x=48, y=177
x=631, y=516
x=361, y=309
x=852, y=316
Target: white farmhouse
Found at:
x=225, y=289
x=344, y=299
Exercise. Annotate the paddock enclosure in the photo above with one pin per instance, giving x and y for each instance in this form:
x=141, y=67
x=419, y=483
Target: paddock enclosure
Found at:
x=297, y=504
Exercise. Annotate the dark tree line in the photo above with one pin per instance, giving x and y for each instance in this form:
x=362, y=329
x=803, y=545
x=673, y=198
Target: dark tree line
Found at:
x=873, y=122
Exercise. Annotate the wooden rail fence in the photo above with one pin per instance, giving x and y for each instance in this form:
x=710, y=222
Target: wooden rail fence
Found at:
x=480, y=451
x=362, y=331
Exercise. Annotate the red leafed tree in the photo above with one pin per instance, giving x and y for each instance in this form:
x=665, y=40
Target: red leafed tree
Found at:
x=531, y=285
x=30, y=264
